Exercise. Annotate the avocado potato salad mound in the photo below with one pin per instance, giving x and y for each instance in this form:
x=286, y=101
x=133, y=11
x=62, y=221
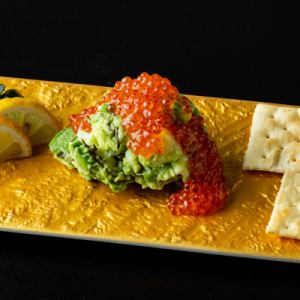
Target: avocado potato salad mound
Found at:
x=102, y=154
x=144, y=131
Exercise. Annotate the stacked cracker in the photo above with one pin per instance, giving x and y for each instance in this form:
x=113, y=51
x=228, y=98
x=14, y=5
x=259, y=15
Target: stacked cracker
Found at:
x=274, y=146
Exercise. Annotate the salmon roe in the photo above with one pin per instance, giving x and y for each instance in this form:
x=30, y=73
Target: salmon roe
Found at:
x=145, y=105
x=80, y=122
x=205, y=192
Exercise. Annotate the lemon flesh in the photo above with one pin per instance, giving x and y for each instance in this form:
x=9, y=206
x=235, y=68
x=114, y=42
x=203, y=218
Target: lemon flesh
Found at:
x=13, y=141
x=36, y=121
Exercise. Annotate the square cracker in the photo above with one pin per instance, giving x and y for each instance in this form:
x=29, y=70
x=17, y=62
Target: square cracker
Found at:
x=274, y=143
x=285, y=218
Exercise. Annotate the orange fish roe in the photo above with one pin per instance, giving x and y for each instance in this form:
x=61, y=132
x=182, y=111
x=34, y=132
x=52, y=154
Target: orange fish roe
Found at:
x=145, y=105
x=205, y=192
x=79, y=121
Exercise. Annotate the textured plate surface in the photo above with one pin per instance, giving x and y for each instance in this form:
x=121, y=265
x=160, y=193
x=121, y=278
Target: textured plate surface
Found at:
x=39, y=195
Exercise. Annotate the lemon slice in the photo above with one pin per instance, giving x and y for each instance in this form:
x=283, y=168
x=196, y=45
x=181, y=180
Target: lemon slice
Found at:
x=36, y=121
x=13, y=141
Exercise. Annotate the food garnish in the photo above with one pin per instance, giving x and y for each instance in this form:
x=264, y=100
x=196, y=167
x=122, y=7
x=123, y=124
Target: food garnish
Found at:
x=144, y=131
x=36, y=121
x=13, y=141
x=11, y=93
x=23, y=124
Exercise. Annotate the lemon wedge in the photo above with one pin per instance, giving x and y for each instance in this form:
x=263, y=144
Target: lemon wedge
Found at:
x=13, y=141
x=35, y=120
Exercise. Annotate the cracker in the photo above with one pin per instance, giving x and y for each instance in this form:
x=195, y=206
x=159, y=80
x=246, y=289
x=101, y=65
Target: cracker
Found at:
x=274, y=143
x=285, y=218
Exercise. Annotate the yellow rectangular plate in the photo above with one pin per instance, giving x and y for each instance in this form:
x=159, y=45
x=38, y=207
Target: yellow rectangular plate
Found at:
x=39, y=195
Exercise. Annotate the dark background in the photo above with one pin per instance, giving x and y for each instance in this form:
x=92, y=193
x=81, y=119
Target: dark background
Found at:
x=242, y=49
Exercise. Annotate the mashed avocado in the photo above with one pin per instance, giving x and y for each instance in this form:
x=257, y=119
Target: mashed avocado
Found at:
x=102, y=155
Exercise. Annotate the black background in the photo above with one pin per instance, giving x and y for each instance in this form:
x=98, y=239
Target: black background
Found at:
x=242, y=49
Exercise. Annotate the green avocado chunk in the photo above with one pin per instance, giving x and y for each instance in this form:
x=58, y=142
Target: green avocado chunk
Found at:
x=59, y=146
x=182, y=115
x=160, y=169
